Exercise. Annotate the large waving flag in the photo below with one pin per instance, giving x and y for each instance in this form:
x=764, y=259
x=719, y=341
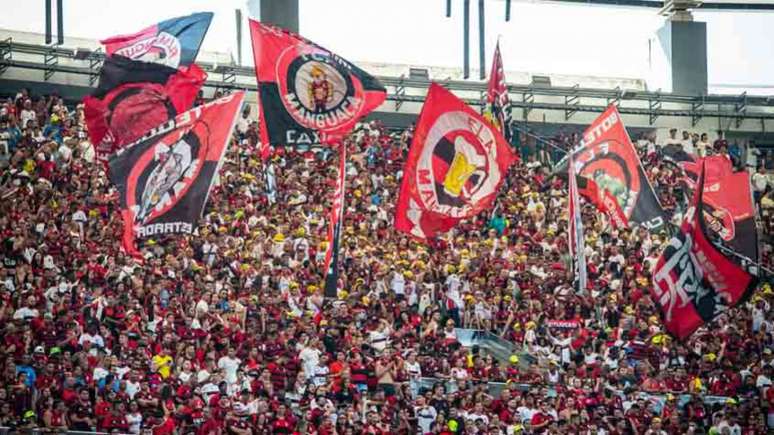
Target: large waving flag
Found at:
x=728, y=207
x=334, y=228
x=607, y=156
x=173, y=43
x=694, y=281
x=164, y=178
x=497, y=96
x=577, y=241
x=454, y=169
x=132, y=97
x=308, y=95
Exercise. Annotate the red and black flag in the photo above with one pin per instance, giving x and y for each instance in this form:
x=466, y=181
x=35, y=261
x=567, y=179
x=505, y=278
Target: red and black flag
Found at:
x=173, y=42
x=694, y=281
x=454, y=168
x=607, y=156
x=334, y=228
x=497, y=96
x=133, y=97
x=308, y=95
x=164, y=178
x=729, y=212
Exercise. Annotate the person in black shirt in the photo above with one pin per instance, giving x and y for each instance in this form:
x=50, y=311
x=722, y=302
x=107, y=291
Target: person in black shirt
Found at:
x=82, y=412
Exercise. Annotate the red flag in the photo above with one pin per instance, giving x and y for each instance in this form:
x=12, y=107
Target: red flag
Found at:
x=454, y=169
x=164, y=178
x=607, y=156
x=693, y=281
x=334, y=227
x=133, y=97
x=308, y=95
x=497, y=95
x=716, y=167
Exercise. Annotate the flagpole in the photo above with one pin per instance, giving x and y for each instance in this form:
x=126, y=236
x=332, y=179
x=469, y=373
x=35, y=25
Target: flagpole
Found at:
x=745, y=259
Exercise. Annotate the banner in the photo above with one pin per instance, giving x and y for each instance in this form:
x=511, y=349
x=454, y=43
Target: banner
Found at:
x=173, y=43
x=607, y=156
x=563, y=324
x=454, y=168
x=334, y=228
x=577, y=241
x=133, y=97
x=308, y=95
x=497, y=96
x=164, y=178
x=693, y=281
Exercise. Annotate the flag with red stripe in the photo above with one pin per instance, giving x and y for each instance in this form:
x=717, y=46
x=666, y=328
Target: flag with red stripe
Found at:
x=693, y=281
x=577, y=242
x=497, y=96
x=334, y=227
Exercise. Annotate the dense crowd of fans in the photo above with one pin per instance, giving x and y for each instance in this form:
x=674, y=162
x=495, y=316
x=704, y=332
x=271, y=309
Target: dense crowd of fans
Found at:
x=228, y=331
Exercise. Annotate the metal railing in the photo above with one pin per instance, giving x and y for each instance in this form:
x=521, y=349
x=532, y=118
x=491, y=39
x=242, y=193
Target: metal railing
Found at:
x=644, y=103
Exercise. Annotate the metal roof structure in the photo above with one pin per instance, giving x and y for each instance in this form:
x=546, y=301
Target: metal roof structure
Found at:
x=564, y=100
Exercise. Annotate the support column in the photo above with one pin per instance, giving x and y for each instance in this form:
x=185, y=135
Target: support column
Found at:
x=282, y=13
x=684, y=48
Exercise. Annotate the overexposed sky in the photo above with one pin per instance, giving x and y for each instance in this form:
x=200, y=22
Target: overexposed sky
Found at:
x=541, y=37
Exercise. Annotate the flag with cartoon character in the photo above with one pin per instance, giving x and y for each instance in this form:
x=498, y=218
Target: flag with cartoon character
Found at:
x=308, y=95
x=164, y=178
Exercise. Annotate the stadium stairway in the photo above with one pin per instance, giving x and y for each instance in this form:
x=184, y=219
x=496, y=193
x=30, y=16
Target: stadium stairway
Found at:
x=491, y=344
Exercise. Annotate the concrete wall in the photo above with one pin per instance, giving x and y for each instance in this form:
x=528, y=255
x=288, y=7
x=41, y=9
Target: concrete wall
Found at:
x=684, y=51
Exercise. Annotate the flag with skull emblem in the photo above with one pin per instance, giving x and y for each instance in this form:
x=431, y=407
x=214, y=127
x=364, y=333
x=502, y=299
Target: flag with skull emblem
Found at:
x=454, y=169
x=164, y=178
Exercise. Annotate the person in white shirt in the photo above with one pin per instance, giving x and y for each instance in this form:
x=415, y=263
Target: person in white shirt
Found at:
x=672, y=139
x=414, y=371
x=309, y=356
x=379, y=338
x=134, y=418
x=397, y=283
x=478, y=414
x=321, y=372
x=687, y=143
x=702, y=145
x=426, y=415
x=229, y=364
x=759, y=182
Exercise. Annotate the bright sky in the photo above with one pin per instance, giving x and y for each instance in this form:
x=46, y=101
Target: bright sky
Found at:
x=540, y=38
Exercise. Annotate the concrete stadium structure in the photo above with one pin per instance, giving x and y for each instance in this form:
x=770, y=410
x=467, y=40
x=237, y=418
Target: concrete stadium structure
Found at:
x=72, y=69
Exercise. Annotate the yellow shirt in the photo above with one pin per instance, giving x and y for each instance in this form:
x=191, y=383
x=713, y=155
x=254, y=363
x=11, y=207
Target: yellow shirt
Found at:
x=163, y=365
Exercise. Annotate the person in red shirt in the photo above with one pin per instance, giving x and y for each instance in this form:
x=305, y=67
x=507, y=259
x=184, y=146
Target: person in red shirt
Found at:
x=541, y=419
x=211, y=425
x=116, y=420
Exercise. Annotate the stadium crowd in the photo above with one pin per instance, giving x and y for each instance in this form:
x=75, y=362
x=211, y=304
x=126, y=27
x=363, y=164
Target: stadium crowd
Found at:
x=227, y=331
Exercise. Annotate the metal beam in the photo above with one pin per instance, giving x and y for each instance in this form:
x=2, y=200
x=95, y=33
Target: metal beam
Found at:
x=481, y=41
x=466, y=39
x=697, y=112
x=726, y=107
x=571, y=100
